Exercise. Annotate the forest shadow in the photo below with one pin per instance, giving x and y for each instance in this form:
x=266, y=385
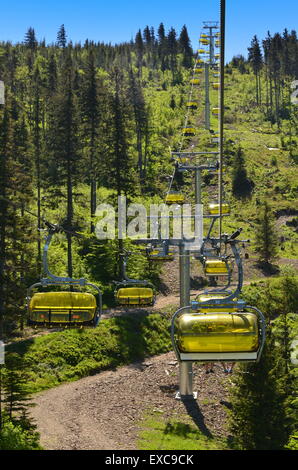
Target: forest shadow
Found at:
x=20, y=347
x=163, y=288
x=197, y=282
x=267, y=269
x=193, y=410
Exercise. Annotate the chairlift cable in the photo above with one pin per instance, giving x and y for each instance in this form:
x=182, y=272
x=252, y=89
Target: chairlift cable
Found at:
x=221, y=110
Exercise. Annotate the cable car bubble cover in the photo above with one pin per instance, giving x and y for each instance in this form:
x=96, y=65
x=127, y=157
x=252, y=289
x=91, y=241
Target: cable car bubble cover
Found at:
x=213, y=209
x=218, y=332
x=215, y=263
x=135, y=293
x=174, y=198
x=62, y=300
x=219, y=307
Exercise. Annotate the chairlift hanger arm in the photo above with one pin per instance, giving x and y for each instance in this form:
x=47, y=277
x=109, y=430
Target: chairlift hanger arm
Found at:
x=51, y=278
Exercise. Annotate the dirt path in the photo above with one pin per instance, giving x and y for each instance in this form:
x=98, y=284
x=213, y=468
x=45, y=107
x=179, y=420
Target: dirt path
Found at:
x=105, y=412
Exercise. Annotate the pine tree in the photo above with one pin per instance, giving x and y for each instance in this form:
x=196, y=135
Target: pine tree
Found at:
x=91, y=115
x=286, y=64
x=63, y=142
x=172, y=49
x=284, y=334
x=61, y=37
x=265, y=235
x=255, y=58
x=24, y=233
x=30, y=39
x=239, y=62
x=241, y=185
x=147, y=36
x=266, y=48
x=162, y=41
x=293, y=50
x=51, y=76
x=6, y=213
x=258, y=418
x=275, y=70
x=16, y=398
x=185, y=48
x=140, y=51
x=120, y=175
x=37, y=117
x=138, y=104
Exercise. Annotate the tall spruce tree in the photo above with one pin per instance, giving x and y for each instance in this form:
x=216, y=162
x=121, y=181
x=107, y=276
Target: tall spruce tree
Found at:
x=162, y=40
x=15, y=379
x=265, y=243
x=6, y=214
x=120, y=174
x=256, y=60
x=91, y=117
x=139, y=44
x=139, y=108
x=185, y=48
x=62, y=37
x=258, y=418
x=241, y=185
x=30, y=38
x=172, y=49
x=63, y=142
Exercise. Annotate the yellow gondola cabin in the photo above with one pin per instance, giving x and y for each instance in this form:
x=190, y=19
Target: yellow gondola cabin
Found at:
x=218, y=333
x=174, y=198
x=62, y=308
x=216, y=267
x=135, y=296
x=213, y=209
x=188, y=131
x=192, y=105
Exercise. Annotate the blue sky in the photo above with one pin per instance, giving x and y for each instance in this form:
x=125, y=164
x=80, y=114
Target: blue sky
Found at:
x=117, y=21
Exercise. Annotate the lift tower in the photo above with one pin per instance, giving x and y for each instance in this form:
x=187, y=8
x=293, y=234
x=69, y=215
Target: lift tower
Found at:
x=210, y=26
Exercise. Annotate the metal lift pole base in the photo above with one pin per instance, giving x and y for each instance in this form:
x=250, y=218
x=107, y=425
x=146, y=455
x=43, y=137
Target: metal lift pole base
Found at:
x=185, y=381
x=194, y=396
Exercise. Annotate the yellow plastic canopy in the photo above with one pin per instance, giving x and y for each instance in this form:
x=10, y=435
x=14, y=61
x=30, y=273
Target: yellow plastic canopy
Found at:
x=159, y=255
x=213, y=209
x=215, y=268
x=62, y=307
x=174, y=198
x=218, y=307
x=218, y=332
x=135, y=296
x=188, y=131
x=192, y=104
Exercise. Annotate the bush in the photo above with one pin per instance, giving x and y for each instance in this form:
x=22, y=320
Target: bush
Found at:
x=13, y=437
x=69, y=355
